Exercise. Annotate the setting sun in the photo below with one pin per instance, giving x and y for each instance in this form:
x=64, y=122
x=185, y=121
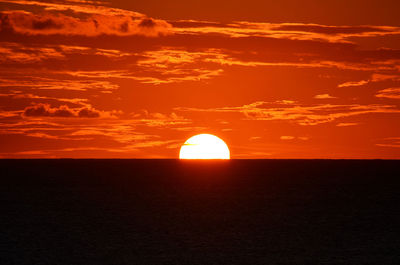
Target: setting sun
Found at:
x=204, y=146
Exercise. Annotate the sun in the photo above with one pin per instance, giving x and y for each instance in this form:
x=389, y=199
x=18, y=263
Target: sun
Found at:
x=204, y=146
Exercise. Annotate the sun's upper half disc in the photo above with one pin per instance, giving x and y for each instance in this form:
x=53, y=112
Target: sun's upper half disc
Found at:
x=204, y=146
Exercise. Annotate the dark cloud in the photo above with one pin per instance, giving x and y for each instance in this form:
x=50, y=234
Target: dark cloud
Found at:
x=124, y=27
x=45, y=110
x=88, y=113
x=147, y=23
x=23, y=22
x=43, y=24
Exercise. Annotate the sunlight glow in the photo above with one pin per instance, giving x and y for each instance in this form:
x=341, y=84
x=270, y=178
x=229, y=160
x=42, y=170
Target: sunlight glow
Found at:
x=204, y=146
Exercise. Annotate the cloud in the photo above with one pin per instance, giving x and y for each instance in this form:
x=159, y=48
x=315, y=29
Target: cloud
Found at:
x=287, y=137
x=392, y=93
x=102, y=19
x=191, y=129
x=107, y=131
x=393, y=142
x=299, y=31
x=293, y=31
x=323, y=96
x=129, y=150
x=160, y=120
x=346, y=124
x=374, y=78
x=292, y=60
x=9, y=114
x=88, y=113
x=172, y=64
x=37, y=82
x=24, y=22
x=383, y=77
x=300, y=114
x=155, y=143
x=331, y=30
x=15, y=94
x=18, y=53
x=155, y=76
x=354, y=83
x=12, y=52
x=45, y=110
x=76, y=6
x=120, y=131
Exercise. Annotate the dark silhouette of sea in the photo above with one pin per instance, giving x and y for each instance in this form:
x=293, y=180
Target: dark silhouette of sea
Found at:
x=199, y=212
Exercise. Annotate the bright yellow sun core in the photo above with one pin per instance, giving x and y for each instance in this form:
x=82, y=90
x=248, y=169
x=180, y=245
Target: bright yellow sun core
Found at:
x=204, y=146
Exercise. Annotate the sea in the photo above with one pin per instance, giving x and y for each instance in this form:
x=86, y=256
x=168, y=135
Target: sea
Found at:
x=167, y=211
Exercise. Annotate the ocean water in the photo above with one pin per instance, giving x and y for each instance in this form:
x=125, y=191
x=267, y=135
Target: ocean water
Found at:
x=199, y=212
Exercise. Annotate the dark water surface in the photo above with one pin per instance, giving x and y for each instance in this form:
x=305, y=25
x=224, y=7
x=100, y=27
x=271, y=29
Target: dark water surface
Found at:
x=204, y=212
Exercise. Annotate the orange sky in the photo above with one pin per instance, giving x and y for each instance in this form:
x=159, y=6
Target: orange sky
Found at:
x=135, y=79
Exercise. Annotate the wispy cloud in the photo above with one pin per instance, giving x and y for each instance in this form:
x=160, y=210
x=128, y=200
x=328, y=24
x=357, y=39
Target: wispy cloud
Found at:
x=161, y=120
x=353, y=83
x=300, y=114
x=295, y=31
x=287, y=137
x=374, y=78
x=393, y=142
x=18, y=80
x=324, y=96
x=15, y=94
x=21, y=54
x=392, y=93
x=346, y=124
x=155, y=76
x=290, y=137
x=28, y=54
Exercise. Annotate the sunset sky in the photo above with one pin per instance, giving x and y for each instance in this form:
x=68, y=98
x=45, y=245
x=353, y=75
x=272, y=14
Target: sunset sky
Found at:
x=136, y=79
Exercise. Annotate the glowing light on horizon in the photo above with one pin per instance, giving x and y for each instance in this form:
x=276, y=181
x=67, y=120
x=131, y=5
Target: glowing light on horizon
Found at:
x=204, y=146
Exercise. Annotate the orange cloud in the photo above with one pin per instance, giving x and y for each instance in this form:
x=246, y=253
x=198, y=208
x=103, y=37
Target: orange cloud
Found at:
x=20, y=95
x=287, y=137
x=323, y=96
x=35, y=82
x=160, y=120
x=155, y=76
x=26, y=54
x=77, y=6
x=374, y=78
x=293, y=31
x=18, y=53
x=346, y=124
x=392, y=93
x=353, y=83
x=393, y=142
x=300, y=114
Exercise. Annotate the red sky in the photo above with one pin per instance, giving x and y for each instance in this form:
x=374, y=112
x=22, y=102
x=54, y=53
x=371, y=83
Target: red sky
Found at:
x=135, y=79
